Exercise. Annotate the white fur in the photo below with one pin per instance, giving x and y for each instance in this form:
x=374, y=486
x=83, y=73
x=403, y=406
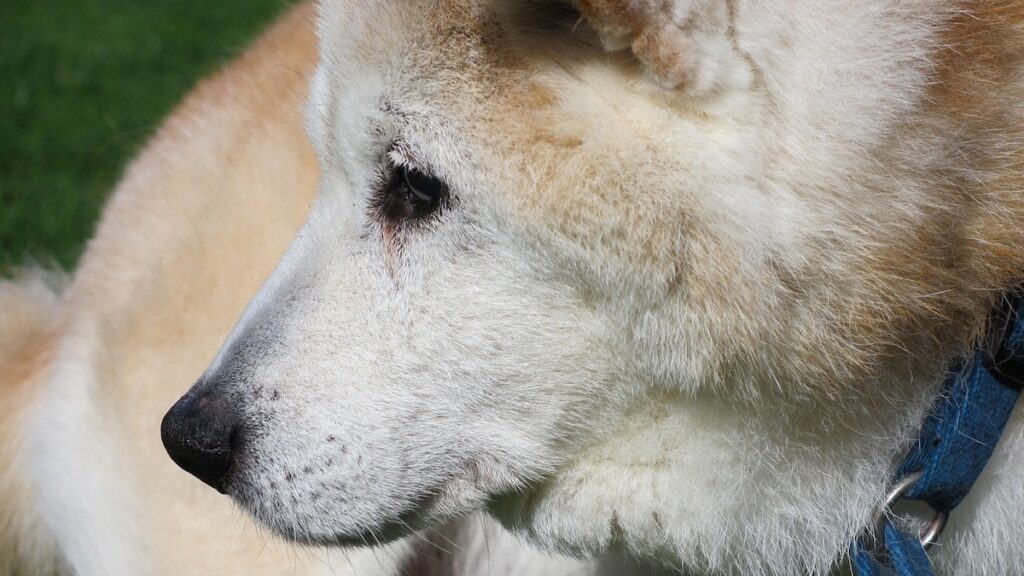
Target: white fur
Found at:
x=445, y=373
x=81, y=482
x=538, y=370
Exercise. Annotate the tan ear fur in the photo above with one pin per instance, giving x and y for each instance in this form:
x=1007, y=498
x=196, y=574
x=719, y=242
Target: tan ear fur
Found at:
x=666, y=36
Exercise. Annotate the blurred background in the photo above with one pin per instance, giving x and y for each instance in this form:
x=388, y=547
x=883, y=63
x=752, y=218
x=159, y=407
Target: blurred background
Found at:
x=83, y=83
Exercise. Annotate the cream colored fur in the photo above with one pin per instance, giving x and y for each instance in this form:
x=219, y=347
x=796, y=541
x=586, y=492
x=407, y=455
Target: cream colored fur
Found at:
x=704, y=266
x=28, y=305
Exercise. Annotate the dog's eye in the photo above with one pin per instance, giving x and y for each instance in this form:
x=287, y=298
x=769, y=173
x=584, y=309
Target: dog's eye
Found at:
x=410, y=195
x=424, y=192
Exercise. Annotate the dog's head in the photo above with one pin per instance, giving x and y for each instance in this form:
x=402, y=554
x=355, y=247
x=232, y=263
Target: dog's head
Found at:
x=527, y=257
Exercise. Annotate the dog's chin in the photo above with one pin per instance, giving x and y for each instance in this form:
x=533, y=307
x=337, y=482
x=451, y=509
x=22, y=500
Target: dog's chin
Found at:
x=385, y=534
x=432, y=508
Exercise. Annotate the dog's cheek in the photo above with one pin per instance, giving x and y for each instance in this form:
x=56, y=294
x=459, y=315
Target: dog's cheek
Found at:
x=374, y=393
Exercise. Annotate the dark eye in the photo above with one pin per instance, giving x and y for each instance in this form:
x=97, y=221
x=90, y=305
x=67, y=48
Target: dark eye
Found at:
x=410, y=195
x=425, y=192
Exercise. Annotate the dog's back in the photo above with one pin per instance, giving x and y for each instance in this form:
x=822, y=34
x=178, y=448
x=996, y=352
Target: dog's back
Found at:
x=191, y=230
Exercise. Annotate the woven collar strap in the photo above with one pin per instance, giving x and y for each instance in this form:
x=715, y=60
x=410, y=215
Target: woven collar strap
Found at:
x=956, y=441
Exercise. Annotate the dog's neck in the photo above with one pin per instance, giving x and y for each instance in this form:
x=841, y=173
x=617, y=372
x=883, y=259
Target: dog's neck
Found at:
x=712, y=487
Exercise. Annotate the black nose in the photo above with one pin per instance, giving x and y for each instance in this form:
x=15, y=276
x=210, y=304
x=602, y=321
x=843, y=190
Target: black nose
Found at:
x=200, y=433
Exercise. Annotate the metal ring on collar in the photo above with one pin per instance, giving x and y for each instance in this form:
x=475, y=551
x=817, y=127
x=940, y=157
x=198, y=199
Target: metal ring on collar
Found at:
x=930, y=535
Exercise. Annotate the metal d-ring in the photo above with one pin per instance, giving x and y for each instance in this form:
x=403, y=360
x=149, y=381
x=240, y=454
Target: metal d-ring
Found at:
x=930, y=535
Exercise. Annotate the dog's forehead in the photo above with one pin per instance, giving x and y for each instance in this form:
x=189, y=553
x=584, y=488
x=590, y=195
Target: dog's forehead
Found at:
x=412, y=60
x=395, y=35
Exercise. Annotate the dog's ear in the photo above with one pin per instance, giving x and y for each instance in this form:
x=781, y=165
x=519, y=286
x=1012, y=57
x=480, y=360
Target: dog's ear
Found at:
x=683, y=44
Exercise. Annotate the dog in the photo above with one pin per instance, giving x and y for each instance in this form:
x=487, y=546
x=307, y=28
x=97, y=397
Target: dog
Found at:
x=664, y=286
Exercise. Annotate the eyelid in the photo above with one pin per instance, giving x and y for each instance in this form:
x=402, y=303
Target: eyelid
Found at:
x=401, y=154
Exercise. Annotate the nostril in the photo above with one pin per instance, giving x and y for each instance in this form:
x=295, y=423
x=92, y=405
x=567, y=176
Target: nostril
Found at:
x=201, y=433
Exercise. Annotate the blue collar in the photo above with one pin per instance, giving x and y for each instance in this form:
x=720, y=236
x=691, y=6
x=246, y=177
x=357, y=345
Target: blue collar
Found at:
x=956, y=441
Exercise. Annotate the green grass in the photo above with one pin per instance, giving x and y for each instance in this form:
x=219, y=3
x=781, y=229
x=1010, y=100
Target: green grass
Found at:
x=82, y=84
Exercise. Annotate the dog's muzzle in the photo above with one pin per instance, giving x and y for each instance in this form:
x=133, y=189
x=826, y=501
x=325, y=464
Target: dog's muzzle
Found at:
x=201, y=433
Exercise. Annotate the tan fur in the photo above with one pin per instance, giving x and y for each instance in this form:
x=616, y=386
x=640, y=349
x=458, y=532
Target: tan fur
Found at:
x=968, y=245
x=232, y=167
x=930, y=274
x=655, y=35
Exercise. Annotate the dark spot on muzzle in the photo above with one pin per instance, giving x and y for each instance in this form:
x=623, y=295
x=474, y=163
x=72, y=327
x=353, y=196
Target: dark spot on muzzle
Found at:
x=201, y=433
